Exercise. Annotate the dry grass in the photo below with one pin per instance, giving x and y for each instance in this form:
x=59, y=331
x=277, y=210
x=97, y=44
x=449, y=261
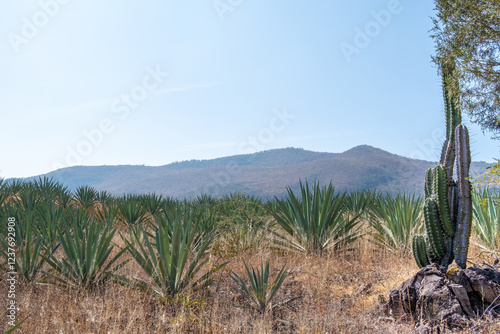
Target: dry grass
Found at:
x=338, y=293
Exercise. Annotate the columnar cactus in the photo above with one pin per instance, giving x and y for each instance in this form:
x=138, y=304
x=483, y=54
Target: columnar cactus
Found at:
x=464, y=217
x=448, y=203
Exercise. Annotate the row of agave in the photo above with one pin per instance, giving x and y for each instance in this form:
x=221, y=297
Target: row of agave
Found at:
x=67, y=238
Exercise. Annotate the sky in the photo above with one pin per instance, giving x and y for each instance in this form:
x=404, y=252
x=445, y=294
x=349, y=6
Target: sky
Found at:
x=157, y=81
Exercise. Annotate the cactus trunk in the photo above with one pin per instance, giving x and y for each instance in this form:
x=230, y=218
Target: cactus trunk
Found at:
x=464, y=217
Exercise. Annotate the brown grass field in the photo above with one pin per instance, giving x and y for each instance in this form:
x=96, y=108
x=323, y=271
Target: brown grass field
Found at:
x=336, y=293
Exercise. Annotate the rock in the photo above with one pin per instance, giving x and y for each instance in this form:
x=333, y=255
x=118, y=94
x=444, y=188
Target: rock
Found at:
x=486, y=282
x=439, y=297
x=436, y=302
x=461, y=293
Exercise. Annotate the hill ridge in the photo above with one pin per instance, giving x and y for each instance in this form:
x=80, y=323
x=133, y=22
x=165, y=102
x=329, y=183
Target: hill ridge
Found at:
x=264, y=174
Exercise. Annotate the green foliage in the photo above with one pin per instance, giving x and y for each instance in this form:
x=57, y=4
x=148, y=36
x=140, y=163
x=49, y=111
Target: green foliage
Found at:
x=316, y=221
x=170, y=261
x=86, y=197
x=448, y=203
x=50, y=220
x=152, y=202
x=433, y=228
x=467, y=36
x=105, y=198
x=13, y=187
x=395, y=220
x=132, y=210
x=420, y=251
x=260, y=292
x=12, y=329
x=87, y=247
x=27, y=198
x=46, y=189
x=490, y=178
x=440, y=192
x=428, y=184
x=486, y=211
x=106, y=214
x=186, y=212
x=241, y=221
x=28, y=243
x=357, y=203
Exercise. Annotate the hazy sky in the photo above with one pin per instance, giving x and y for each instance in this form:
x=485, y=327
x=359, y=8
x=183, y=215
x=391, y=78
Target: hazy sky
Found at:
x=152, y=82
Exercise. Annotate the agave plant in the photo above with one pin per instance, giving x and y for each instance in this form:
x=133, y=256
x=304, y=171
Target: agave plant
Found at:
x=87, y=248
x=205, y=200
x=13, y=187
x=260, y=292
x=86, y=197
x=185, y=212
x=24, y=236
x=170, y=260
x=106, y=214
x=317, y=221
x=243, y=235
x=77, y=215
x=395, y=220
x=105, y=198
x=131, y=210
x=27, y=198
x=152, y=202
x=358, y=202
x=486, y=213
x=46, y=188
x=50, y=220
x=4, y=194
x=64, y=197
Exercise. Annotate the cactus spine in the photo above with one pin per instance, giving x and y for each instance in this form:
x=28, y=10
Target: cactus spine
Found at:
x=433, y=228
x=448, y=204
x=428, y=188
x=441, y=194
x=420, y=251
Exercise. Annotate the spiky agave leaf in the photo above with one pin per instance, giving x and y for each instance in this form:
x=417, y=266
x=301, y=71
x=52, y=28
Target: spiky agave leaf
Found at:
x=28, y=243
x=167, y=261
x=86, y=197
x=315, y=221
x=132, y=210
x=86, y=253
x=395, y=220
x=260, y=293
x=486, y=212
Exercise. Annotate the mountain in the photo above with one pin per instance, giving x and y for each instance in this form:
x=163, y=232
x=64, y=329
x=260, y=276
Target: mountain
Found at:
x=264, y=174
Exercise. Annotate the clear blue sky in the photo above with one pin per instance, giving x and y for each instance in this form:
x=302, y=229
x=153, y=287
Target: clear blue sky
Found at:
x=84, y=83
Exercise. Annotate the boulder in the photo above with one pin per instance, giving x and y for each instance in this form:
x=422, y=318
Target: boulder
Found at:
x=450, y=298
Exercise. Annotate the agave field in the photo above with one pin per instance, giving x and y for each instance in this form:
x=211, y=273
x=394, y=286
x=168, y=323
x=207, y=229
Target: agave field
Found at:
x=314, y=261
